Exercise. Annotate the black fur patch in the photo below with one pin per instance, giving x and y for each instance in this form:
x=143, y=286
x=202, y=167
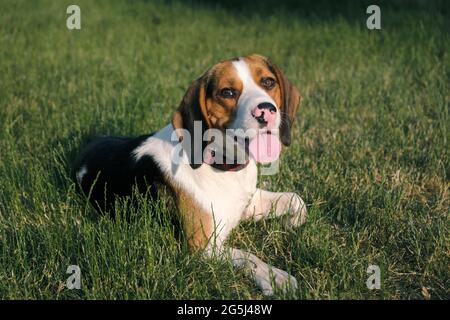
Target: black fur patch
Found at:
x=113, y=171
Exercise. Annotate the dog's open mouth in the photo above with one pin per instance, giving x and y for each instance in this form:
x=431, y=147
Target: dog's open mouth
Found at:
x=234, y=152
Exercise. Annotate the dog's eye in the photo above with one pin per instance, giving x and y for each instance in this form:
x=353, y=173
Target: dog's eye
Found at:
x=228, y=93
x=268, y=82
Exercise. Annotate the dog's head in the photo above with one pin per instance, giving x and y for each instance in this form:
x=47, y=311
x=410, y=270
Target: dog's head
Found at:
x=248, y=93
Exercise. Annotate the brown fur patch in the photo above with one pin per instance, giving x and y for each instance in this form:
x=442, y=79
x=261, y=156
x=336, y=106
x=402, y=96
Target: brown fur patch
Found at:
x=221, y=111
x=259, y=69
x=197, y=223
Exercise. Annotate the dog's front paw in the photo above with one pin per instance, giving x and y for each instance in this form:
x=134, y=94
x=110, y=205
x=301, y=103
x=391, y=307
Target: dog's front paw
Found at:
x=269, y=279
x=296, y=208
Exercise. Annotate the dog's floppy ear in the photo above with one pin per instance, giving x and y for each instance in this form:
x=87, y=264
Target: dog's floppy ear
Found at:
x=193, y=110
x=290, y=99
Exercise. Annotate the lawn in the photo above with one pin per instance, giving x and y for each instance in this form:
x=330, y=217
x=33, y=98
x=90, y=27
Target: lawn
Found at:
x=370, y=151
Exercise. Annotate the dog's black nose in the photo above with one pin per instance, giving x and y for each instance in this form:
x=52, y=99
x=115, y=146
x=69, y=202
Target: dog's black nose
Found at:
x=268, y=106
x=265, y=113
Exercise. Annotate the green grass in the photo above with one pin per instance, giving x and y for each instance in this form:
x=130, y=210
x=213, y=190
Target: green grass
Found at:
x=370, y=153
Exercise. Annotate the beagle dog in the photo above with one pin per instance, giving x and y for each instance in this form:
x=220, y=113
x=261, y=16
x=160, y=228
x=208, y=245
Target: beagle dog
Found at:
x=248, y=95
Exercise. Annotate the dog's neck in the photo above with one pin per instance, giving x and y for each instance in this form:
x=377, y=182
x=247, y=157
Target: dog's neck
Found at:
x=239, y=162
x=230, y=167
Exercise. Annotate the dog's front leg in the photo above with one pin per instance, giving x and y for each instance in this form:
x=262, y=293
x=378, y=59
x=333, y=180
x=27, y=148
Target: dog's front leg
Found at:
x=267, y=277
x=264, y=202
x=263, y=273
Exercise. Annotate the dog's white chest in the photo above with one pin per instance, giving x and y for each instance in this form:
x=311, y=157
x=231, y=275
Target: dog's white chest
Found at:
x=224, y=193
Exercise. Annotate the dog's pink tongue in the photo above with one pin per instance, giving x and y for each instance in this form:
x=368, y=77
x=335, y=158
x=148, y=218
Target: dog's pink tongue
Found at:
x=265, y=148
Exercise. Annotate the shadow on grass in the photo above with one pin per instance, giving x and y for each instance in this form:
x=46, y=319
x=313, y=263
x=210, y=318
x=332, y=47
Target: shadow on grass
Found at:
x=325, y=10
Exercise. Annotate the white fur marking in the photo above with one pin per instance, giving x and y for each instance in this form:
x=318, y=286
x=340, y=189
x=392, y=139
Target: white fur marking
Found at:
x=81, y=173
x=251, y=96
